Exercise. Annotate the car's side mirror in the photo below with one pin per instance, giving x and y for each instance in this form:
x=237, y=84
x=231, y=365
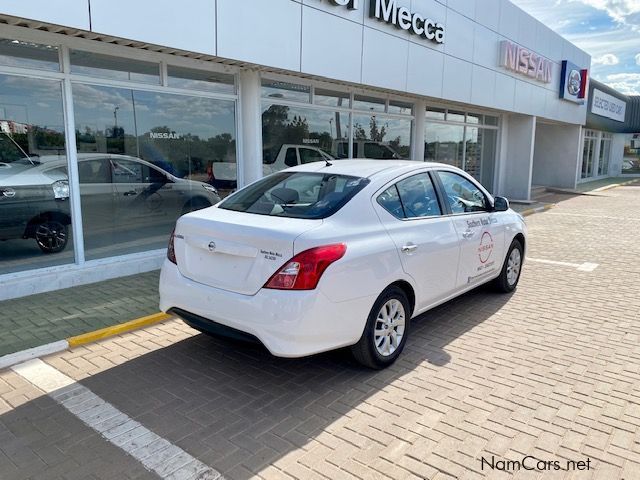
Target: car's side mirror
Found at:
x=500, y=204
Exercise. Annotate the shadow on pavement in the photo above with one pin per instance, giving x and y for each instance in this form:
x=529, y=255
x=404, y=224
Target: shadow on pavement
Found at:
x=238, y=409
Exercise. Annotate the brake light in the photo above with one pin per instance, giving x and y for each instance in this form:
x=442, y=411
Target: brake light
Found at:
x=303, y=271
x=171, y=250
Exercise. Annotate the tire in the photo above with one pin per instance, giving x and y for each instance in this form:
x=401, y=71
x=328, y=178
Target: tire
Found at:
x=51, y=236
x=511, y=269
x=378, y=351
x=195, y=204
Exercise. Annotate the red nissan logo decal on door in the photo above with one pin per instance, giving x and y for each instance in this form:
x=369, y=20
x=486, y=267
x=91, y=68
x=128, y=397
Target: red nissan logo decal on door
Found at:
x=485, y=248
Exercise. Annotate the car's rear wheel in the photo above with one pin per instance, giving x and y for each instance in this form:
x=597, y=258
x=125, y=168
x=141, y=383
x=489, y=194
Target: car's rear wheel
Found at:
x=52, y=236
x=385, y=333
x=510, y=274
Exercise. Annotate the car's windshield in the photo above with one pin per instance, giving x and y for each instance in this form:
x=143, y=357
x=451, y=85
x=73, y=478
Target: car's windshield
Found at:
x=296, y=195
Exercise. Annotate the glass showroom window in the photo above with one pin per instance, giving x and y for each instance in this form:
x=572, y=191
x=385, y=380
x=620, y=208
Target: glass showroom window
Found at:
x=462, y=139
x=589, y=153
x=145, y=158
x=294, y=132
x=293, y=135
x=35, y=216
x=604, y=154
x=631, y=155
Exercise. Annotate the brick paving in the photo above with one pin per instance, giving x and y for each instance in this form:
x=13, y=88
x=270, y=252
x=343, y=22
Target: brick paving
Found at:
x=47, y=317
x=551, y=371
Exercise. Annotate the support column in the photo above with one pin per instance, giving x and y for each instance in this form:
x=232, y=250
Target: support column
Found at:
x=417, y=141
x=249, y=128
x=516, y=156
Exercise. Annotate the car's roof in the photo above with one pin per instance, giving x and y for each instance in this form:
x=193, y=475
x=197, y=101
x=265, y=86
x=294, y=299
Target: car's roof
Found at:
x=365, y=167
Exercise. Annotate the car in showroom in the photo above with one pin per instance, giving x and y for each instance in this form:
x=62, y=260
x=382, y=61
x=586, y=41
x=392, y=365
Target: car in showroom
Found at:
x=329, y=255
x=34, y=196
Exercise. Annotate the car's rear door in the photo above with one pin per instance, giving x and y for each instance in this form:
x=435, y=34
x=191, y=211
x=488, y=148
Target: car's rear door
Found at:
x=480, y=230
x=426, y=240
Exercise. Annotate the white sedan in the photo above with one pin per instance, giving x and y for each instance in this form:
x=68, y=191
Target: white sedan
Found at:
x=329, y=255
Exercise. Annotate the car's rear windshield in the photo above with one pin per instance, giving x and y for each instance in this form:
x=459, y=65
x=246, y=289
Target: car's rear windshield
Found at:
x=296, y=195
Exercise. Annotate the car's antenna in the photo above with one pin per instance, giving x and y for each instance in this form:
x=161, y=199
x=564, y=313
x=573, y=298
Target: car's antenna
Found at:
x=328, y=163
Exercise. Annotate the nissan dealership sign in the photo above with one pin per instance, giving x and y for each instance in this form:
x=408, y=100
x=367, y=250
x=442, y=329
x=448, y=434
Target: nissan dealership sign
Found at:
x=403, y=18
x=521, y=60
x=608, y=106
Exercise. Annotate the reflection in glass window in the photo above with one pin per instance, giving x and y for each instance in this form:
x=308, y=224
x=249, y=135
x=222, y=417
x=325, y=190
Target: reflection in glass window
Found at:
x=444, y=144
x=631, y=155
x=381, y=137
x=156, y=156
x=435, y=113
x=490, y=120
x=295, y=135
x=117, y=68
x=471, y=147
x=329, y=98
x=35, y=217
x=453, y=116
x=286, y=91
x=17, y=53
x=402, y=108
x=361, y=102
x=192, y=79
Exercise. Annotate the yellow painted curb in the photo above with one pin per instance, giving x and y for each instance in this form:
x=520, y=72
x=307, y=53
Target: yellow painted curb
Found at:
x=117, y=329
x=614, y=185
x=531, y=211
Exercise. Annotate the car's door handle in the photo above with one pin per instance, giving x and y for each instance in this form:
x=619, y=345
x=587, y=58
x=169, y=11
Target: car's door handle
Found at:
x=130, y=193
x=468, y=234
x=409, y=247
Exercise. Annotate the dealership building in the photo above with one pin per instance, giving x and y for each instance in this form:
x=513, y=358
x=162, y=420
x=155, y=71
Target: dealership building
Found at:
x=116, y=117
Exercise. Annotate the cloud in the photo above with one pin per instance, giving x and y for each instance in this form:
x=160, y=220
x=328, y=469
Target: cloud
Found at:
x=606, y=59
x=638, y=59
x=627, y=83
x=622, y=11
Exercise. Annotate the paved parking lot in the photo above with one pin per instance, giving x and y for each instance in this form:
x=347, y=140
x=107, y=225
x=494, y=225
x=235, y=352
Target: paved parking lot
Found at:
x=551, y=371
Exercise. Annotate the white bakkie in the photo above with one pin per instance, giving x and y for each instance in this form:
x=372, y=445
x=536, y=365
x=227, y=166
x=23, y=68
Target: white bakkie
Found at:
x=342, y=253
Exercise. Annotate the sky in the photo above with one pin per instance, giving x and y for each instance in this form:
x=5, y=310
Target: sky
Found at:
x=609, y=30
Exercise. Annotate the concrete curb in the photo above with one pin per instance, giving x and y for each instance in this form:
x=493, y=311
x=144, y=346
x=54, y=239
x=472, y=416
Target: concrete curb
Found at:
x=531, y=211
x=90, y=337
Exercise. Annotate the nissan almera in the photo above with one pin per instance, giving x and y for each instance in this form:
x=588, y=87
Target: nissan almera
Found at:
x=343, y=254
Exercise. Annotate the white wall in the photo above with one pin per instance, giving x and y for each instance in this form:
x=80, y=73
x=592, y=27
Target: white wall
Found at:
x=320, y=38
x=556, y=155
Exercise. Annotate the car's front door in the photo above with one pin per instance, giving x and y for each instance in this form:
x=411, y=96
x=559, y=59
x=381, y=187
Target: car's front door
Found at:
x=426, y=240
x=480, y=230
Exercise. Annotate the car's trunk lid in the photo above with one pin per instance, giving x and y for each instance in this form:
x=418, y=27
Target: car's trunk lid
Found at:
x=235, y=251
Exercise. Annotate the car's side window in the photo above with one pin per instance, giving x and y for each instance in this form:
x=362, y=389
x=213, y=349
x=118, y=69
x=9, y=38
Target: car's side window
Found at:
x=413, y=197
x=390, y=201
x=419, y=197
x=94, y=171
x=291, y=159
x=308, y=155
x=463, y=196
x=126, y=171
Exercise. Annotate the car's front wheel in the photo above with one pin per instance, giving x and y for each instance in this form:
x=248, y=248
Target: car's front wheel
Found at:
x=52, y=236
x=385, y=333
x=510, y=274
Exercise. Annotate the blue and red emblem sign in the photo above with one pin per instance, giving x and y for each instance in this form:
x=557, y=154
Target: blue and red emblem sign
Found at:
x=573, y=83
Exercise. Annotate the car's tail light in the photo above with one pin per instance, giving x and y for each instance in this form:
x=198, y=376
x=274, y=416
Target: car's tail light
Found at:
x=303, y=271
x=171, y=249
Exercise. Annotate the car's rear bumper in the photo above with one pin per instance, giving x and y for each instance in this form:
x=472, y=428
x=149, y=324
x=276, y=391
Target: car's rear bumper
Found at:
x=289, y=324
